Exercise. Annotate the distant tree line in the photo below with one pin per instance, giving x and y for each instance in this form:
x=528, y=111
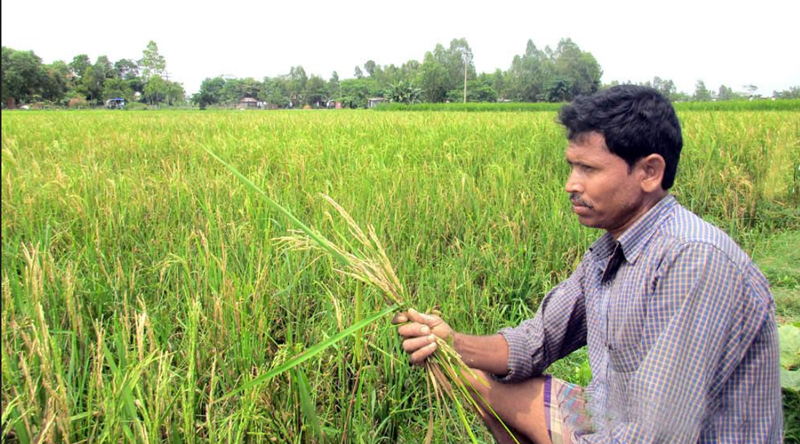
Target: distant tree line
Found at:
x=446, y=74
x=80, y=83
x=703, y=94
x=535, y=76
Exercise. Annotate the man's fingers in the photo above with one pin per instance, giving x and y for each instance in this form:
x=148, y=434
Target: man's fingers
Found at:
x=419, y=356
x=414, y=344
x=419, y=341
x=415, y=316
x=413, y=330
x=400, y=318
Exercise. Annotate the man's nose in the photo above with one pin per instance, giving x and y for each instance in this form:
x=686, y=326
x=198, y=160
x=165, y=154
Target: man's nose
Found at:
x=573, y=184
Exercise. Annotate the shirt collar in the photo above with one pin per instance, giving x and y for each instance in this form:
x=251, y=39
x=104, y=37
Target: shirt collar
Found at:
x=635, y=238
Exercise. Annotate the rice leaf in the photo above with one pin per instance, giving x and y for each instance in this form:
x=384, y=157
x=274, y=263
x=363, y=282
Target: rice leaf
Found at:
x=310, y=352
x=463, y=418
x=307, y=404
x=429, y=433
x=359, y=314
x=313, y=234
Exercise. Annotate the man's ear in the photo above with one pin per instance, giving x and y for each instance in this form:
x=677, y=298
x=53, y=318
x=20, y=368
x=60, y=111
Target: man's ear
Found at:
x=652, y=168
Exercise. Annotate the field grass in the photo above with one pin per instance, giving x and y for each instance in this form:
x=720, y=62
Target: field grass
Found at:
x=741, y=105
x=728, y=105
x=140, y=282
x=473, y=107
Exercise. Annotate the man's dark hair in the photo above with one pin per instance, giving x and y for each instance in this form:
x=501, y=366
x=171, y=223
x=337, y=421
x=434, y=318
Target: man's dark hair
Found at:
x=635, y=121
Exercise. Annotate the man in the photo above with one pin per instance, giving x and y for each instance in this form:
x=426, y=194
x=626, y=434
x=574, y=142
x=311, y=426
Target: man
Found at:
x=678, y=321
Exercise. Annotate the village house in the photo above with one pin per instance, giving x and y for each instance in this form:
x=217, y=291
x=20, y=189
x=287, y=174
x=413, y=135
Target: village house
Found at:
x=372, y=102
x=248, y=103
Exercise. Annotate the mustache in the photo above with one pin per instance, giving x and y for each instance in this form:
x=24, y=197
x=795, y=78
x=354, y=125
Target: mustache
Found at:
x=577, y=201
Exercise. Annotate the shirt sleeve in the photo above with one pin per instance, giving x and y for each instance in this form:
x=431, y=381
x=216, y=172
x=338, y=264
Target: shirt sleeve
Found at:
x=557, y=329
x=700, y=330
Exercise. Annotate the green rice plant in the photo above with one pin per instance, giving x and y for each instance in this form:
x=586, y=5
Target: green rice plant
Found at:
x=366, y=261
x=306, y=403
x=473, y=107
x=190, y=383
x=741, y=105
x=308, y=353
x=132, y=224
x=728, y=105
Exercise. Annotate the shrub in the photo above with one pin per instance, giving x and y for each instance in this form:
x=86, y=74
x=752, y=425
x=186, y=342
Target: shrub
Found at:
x=78, y=102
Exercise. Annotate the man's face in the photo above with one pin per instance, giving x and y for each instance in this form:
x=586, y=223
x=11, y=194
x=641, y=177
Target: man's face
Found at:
x=603, y=192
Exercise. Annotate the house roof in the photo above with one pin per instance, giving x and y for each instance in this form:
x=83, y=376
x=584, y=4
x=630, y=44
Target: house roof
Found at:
x=248, y=100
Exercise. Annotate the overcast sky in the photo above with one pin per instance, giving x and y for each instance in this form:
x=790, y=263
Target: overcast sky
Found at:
x=732, y=43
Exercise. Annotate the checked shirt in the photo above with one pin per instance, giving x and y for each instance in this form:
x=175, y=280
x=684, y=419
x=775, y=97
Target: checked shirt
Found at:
x=680, y=330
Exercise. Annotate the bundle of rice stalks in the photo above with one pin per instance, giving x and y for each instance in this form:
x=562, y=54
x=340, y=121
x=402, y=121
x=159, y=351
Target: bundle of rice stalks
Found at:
x=366, y=261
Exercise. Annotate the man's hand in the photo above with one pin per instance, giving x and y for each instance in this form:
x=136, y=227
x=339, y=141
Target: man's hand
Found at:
x=420, y=332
